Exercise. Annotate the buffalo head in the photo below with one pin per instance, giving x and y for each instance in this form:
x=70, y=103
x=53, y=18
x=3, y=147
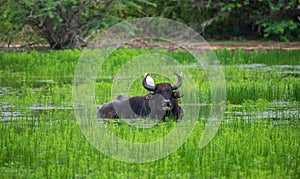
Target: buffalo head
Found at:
x=165, y=91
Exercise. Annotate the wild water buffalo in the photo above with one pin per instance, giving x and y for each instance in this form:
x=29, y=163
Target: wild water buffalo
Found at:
x=161, y=102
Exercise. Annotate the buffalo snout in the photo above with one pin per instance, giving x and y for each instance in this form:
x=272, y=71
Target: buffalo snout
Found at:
x=167, y=104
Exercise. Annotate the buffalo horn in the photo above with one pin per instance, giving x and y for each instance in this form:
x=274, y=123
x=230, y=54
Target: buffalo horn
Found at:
x=146, y=86
x=179, y=82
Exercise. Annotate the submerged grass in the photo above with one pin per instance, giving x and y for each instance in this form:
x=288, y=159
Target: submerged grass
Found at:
x=258, y=138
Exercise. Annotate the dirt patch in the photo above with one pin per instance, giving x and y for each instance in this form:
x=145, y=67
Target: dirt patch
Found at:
x=256, y=46
x=287, y=46
x=275, y=46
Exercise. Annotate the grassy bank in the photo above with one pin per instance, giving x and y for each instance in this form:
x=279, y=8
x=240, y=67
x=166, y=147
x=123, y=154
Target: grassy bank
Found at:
x=259, y=136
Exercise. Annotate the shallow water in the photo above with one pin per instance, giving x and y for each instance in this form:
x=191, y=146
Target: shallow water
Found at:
x=285, y=70
x=39, y=87
x=269, y=67
x=25, y=103
x=275, y=114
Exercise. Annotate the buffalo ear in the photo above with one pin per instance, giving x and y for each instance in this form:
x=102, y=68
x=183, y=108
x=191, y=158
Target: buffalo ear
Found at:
x=177, y=95
x=148, y=96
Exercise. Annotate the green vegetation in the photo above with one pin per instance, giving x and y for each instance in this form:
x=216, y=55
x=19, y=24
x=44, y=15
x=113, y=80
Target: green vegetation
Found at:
x=71, y=23
x=62, y=24
x=259, y=136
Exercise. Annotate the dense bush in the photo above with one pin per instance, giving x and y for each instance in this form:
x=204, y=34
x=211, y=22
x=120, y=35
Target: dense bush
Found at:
x=69, y=24
x=231, y=19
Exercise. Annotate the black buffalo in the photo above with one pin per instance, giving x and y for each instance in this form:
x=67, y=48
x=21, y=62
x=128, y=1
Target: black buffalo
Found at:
x=161, y=102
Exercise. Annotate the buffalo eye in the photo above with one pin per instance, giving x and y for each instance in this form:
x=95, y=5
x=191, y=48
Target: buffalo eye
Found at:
x=177, y=95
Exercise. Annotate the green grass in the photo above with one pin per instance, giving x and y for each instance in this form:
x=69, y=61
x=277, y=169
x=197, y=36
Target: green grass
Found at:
x=259, y=136
x=268, y=57
x=240, y=149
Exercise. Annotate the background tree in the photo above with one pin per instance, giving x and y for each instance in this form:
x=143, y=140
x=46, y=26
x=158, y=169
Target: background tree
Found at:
x=234, y=19
x=70, y=23
x=64, y=23
x=244, y=18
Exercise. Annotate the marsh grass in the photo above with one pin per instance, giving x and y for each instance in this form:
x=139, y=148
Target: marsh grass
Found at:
x=258, y=138
x=268, y=57
x=57, y=148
